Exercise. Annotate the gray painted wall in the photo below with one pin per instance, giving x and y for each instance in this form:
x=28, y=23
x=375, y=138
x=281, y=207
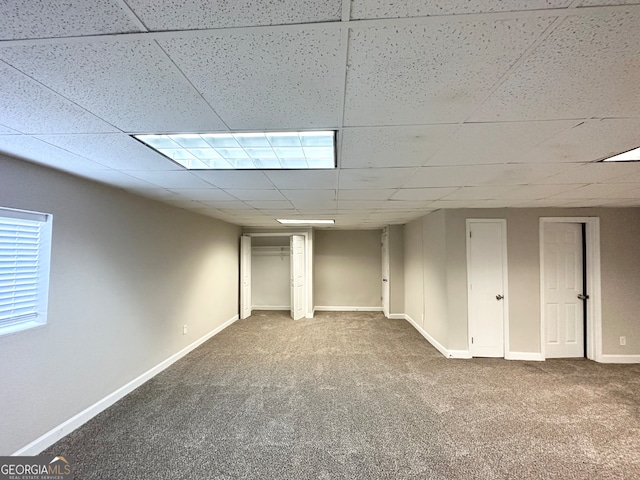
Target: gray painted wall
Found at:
x=348, y=268
x=126, y=274
x=413, y=271
x=270, y=276
x=620, y=268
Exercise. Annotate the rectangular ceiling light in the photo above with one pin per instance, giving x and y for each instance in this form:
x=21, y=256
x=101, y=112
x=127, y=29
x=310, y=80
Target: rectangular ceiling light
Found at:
x=285, y=221
x=629, y=156
x=247, y=151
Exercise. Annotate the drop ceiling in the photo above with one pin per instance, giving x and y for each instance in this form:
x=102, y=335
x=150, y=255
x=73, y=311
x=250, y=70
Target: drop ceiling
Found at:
x=437, y=104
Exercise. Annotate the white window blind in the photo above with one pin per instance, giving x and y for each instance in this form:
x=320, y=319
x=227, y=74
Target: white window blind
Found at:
x=25, y=255
x=20, y=269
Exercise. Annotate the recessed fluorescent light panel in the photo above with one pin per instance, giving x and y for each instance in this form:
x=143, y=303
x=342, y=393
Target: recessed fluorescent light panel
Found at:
x=247, y=151
x=630, y=156
x=285, y=221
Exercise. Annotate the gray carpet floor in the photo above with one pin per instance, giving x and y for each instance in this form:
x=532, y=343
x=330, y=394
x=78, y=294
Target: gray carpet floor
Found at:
x=353, y=395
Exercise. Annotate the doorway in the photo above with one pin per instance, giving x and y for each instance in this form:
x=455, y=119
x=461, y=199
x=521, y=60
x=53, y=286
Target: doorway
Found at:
x=487, y=285
x=570, y=323
x=385, y=272
x=275, y=273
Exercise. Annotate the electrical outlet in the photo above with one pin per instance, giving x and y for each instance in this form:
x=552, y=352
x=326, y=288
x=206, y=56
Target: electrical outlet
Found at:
x=623, y=340
x=184, y=329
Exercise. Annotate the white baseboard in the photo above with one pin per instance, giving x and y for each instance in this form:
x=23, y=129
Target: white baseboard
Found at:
x=459, y=354
x=531, y=356
x=619, y=358
x=397, y=316
x=65, y=428
x=271, y=307
x=332, y=308
x=438, y=346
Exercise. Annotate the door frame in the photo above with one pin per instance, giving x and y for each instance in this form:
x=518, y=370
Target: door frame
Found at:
x=308, y=264
x=593, y=307
x=505, y=277
x=386, y=260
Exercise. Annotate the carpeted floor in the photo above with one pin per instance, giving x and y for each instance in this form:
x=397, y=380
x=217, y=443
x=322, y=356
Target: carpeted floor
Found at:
x=353, y=395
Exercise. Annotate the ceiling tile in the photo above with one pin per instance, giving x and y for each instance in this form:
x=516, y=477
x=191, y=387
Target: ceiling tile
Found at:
x=271, y=205
x=601, y=172
x=29, y=107
x=169, y=179
x=7, y=131
x=422, y=193
x=34, y=150
x=405, y=205
x=132, y=85
x=622, y=203
x=361, y=9
x=114, y=150
x=304, y=179
x=255, y=194
x=203, y=194
x=116, y=179
x=315, y=205
x=376, y=194
x=596, y=3
x=202, y=14
x=430, y=74
x=479, y=193
x=272, y=81
x=487, y=143
x=236, y=179
x=534, y=192
x=367, y=178
x=228, y=206
x=309, y=195
x=360, y=204
x=617, y=190
x=589, y=141
x=406, y=146
x=71, y=18
x=477, y=175
x=583, y=69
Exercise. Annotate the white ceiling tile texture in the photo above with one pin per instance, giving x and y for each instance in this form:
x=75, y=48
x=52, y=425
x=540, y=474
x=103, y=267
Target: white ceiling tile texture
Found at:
x=436, y=73
x=113, y=150
x=438, y=104
x=41, y=19
x=361, y=9
x=406, y=146
x=202, y=14
x=587, y=67
x=491, y=143
x=129, y=84
x=29, y=107
x=272, y=81
x=587, y=141
x=37, y=151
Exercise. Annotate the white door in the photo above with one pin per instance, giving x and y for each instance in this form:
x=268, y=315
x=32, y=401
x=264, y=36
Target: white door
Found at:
x=563, y=284
x=245, y=277
x=487, y=285
x=385, y=272
x=298, y=304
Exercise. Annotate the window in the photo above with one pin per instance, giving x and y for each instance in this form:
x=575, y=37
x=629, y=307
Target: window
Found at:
x=25, y=252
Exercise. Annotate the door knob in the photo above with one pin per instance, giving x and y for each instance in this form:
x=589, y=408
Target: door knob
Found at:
x=583, y=297
x=499, y=297
x=384, y=280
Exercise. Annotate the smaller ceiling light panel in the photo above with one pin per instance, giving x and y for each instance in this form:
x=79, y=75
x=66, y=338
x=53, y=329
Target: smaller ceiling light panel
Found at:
x=247, y=151
x=286, y=221
x=629, y=156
